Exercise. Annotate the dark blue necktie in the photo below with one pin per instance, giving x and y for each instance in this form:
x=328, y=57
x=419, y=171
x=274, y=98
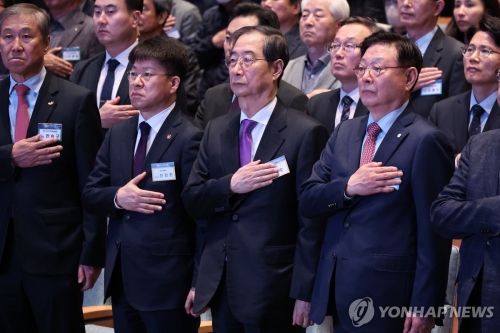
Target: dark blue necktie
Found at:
x=107, y=88
x=140, y=152
x=346, y=107
x=475, y=124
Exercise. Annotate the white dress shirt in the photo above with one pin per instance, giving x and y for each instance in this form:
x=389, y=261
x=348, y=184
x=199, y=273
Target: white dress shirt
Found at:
x=424, y=41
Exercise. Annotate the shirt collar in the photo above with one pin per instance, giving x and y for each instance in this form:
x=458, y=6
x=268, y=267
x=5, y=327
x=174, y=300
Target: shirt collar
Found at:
x=486, y=104
x=157, y=120
x=386, y=122
x=323, y=60
x=353, y=94
x=424, y=41
x=34, y=83
x=122, y=57
x=263, y=115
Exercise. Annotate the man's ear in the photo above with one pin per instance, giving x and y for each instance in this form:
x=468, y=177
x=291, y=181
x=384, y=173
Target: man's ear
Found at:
x=136, y=18
x=411, y=77
x=278, y=67
x=176, y=82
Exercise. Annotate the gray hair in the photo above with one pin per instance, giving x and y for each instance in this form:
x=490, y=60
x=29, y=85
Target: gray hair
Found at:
x=29, y=10
x=339, y=8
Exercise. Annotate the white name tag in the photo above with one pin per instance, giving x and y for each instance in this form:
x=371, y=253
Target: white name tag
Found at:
x=71, y=53
x=281, y=163
x=434, y=89
x=174, y=33
x=50, y=131
x=163, y=171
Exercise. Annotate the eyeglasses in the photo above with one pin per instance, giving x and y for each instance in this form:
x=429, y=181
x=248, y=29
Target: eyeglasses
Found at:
x=497, y=72
x=484, y=52
x=375, y=69
x=245, y=60
x=132, y=76
x=347, y=47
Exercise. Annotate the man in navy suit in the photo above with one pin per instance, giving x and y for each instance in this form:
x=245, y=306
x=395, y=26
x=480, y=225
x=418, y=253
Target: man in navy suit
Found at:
x=259, y=259
x=140, y=172
x=51, y=249
x=376, y=180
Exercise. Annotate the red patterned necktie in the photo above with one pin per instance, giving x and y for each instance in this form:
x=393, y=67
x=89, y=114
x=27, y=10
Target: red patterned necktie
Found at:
x=22, y=116
x=369, y=148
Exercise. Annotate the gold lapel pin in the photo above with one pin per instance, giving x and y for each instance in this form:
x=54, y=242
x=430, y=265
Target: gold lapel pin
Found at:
x=399, y=135
x=169, y=136
x=51, y=103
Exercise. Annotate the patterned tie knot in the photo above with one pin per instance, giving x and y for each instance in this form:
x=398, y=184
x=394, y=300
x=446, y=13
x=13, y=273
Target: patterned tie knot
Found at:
x=145, y=129
x=374, y=130
x=21, y=89
x=347, y=101
x=112, y=64
x=477, y=111
x=248, y=125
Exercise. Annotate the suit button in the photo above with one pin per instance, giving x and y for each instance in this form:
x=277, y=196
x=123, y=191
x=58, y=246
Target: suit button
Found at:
x=489, y=242
x=334, y=256
x=127, y=217
x=347, y=225
x=117, y=244
x=474, y=278
x=235, y=217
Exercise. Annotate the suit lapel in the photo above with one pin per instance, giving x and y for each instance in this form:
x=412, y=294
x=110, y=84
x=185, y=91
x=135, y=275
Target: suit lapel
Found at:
x=229, y=140
x=297, y=72
x=335, y=100
x=94, y=71
x=272, y=139
x=493, y=121
x=164, y=138
x=461, y=120
x=361, y=109
x=128, y=138
x=45, y=104
x=226, y=99
x=123, y=87
x=70, y=34
x=354, y=154
x=397, y=133
x=432, y=54
x=5, y=134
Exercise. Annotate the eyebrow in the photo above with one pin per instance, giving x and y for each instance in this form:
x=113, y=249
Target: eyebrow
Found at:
x=105, y=6
x=347, y=39
x=244, y=52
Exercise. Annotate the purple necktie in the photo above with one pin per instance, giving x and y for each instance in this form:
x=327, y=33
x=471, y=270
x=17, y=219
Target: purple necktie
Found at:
x=247, y=126
x=140, y=153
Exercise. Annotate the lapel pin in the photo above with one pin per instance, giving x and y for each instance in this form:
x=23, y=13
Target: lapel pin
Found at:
x=51, y=103
x=399, y=135
x=169, y=136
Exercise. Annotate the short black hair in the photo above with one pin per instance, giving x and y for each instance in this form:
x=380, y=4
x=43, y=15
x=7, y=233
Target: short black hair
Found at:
x=133, y=5
x=169, y=52
x=408, y=52
x=366, y=21
x=275, y=46
x=265, y=16
x=488, y=24
x=162, y=6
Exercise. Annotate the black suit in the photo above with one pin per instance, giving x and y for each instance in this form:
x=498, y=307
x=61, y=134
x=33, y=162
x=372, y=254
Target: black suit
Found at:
x=323, y=108
x=452, y=117
x=53, y=234
x=296, y=46
x=445, y=53
x=218, y=100
x=156, y=251
x=271, y=250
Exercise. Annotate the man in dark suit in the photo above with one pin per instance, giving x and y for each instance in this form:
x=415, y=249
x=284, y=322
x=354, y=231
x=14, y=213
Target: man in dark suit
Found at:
x=260, y=255
x=476, y=110
x=220, y=99
x=51, y=249
x=376, y=180
x=151, y=238
x=115, y=25
x=332, y=107
x=442, y=73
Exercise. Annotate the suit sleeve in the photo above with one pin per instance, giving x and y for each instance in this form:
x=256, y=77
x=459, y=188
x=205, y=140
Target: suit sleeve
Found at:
x=98, y=194
x=190, y=23
x=299, y=102
x=204, y=197
x=453, y=216
x=433, y=117
x=321, y=196
x=191, y=83
x=88, y=139
x=433, y=251
x=311, y=231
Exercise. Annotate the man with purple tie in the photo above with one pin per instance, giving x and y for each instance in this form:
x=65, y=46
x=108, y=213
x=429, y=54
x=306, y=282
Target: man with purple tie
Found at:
x=257, y=268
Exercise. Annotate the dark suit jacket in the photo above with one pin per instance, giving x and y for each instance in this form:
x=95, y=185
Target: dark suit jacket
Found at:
x=380, y=246
x=218, y=100
x=452, y=117
x=323, y=108
x=296, y=47
x=156, y=250
x=445, y=53
x=467, y=209
x=271, y=250
x=53, y=233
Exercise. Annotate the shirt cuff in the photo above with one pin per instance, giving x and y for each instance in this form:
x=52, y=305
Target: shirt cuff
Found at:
x=116, y=204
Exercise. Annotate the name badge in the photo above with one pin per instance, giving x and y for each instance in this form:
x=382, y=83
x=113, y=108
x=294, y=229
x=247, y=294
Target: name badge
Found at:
x=434, y=89
x=50, y=131
x=281, y=164
x=163, y=171
x=71, y=53
x=174, y=33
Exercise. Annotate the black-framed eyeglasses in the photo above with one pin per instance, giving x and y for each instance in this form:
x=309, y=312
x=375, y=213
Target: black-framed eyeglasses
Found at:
x=347, y=47
x=497, y=73
x=484, y=52
x=247, y=61
x=146, y=76
x=375, y=69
